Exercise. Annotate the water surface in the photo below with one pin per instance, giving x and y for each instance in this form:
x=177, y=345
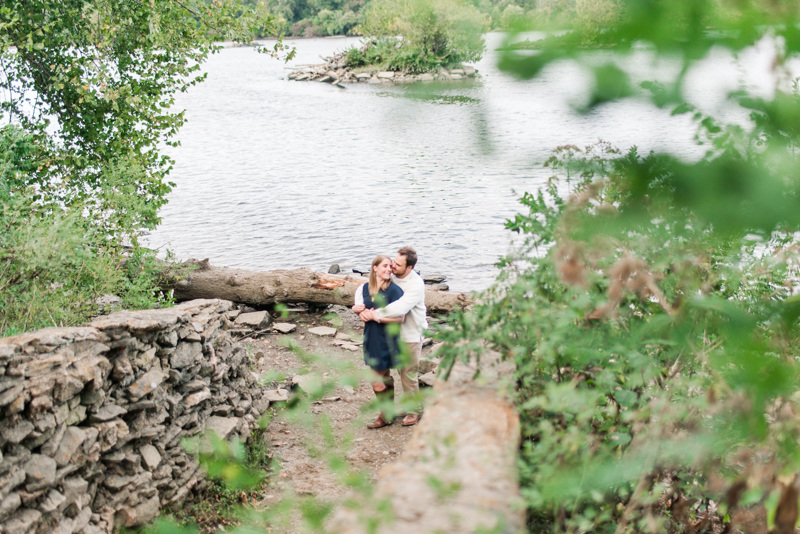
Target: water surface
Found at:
x=273, y=173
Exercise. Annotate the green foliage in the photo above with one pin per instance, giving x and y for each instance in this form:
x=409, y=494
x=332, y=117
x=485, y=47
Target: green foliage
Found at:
x=88, y=87
x=421, y=35
x=238, y=474
x=50, y=272
x=92, y=83
x=651, y=310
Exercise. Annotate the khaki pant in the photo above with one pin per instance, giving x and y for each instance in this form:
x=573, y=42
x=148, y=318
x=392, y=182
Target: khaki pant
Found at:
x=408, y=374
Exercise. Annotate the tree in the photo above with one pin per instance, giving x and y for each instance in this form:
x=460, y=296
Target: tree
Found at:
x=93, y=81
x=88, y=88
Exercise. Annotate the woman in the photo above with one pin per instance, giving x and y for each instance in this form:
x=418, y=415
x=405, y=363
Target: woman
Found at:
x=381, y=349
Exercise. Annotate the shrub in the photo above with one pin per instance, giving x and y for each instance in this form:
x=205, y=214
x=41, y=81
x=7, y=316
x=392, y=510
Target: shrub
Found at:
x=55, y=262
x=431, y=33
x=512, y=16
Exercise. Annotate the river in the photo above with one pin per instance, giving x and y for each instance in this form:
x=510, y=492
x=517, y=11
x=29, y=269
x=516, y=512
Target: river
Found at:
x=273, y=173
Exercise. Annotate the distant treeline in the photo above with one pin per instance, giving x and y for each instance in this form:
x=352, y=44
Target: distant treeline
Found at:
x=315, y=18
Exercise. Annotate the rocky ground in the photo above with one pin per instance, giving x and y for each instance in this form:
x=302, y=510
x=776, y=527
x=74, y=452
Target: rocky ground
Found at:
x=308, y=354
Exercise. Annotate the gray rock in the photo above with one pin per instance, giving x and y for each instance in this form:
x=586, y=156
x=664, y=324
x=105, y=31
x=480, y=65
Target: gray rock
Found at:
x=457, y=71
x=22, y=521
x=222, y=426
x=82, y=520
x=170, y=339
x=150, y=456
x=141, y=514
x=347, y=346
x=341, y=336
x=427, y=366
x=9, y=505
x=255, y=320
x=427, y=379
x=40, y=469
x=145, y=384
x=326, y=79
x=73, y=488
x=427, y=77
x=196, y=398
x=117, y=482
x=73, y=438
x=186, y=354
x=309, y=383
x=386, y=75
x=470, y=71
x=15, y=432
x=322, y=331
x=76, y=415
x=10, y=395
x=334, y=269
x=11, y=481
x=456, y=76
x=284, y=328
x=194, y=385
x=434, y=278
x=107, y=413
x=277, y=395
x=439, y=287
x=363, y=76
x=122, y=368
x=53, y=500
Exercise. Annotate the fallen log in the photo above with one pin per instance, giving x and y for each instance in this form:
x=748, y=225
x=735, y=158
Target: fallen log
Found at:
x=261, y=288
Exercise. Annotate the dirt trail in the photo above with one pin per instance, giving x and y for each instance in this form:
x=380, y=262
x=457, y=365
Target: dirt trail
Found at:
x=303, y=471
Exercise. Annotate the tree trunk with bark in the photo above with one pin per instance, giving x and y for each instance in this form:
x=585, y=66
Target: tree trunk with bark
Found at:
x=260, y=288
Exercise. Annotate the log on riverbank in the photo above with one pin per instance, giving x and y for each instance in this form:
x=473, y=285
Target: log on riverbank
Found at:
x=261, y=288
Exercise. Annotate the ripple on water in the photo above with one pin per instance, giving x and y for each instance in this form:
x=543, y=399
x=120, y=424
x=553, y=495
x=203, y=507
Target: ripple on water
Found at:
x=278, y=174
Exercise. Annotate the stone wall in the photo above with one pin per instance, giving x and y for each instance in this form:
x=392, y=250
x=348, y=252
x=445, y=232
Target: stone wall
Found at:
x=91, y=418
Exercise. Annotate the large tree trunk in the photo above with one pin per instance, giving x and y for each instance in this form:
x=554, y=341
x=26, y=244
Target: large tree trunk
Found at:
x=261, y=288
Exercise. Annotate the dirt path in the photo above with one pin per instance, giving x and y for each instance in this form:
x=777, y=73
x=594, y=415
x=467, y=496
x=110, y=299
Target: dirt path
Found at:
x=304, y=471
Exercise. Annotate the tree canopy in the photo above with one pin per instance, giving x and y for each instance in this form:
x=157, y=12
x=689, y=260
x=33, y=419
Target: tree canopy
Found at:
x=87, y=89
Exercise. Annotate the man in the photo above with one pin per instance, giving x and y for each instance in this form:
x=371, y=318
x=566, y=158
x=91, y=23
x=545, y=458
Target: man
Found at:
x=412, y=306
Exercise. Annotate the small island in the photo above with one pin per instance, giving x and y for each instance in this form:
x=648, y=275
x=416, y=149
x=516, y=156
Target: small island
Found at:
x=407, y=42
x=336, y=71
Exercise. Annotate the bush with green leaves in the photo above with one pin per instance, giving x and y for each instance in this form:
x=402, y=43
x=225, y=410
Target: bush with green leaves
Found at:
x=93, y=82
x=422, y=35
x=88, y=90
x=652, y=310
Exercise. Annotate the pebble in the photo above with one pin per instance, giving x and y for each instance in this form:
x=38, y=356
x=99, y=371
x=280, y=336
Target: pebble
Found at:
x=324, y=331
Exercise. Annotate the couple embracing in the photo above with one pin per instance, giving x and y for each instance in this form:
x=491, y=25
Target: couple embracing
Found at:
x=395, y=293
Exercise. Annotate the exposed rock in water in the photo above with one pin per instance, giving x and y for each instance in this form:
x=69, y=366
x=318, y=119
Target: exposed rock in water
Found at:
x=335, y=71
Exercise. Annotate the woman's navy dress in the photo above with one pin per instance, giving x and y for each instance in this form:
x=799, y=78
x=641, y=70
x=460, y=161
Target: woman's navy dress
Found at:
x=381, y=350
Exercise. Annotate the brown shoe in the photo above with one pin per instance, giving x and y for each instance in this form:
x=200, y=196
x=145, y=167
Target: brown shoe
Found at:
x=379, y=422
x=410, y=419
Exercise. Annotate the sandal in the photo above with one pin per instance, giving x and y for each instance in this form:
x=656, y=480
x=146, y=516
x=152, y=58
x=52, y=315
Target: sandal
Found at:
x=379, y=422
x=410, y=419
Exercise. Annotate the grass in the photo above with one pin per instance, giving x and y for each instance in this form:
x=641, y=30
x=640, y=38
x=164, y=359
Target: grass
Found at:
x=220, y=506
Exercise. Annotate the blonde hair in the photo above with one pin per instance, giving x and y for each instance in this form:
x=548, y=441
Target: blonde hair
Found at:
x=373, y=278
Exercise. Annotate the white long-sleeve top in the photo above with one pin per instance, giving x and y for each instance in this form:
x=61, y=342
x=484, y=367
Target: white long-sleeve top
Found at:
x=411, y=304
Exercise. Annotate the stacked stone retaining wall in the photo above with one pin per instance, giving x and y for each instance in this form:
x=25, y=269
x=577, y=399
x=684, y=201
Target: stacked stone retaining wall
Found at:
x=91, y=418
